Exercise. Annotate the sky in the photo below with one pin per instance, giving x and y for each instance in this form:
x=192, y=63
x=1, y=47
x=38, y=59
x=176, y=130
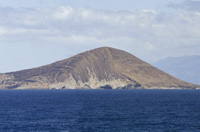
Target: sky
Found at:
x=38, y=32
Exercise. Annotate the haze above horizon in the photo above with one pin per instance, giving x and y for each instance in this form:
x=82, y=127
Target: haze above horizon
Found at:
x=39, y=32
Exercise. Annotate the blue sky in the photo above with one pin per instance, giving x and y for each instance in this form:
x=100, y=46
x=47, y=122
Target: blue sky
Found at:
x=97, y=4
x=39, y=32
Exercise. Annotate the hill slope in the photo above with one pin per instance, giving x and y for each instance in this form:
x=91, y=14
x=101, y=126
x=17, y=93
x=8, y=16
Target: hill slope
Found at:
x=99, y=68
x=186, y=68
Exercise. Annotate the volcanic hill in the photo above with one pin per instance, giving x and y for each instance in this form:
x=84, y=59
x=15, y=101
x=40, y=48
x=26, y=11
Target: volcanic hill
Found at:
x=101, y=68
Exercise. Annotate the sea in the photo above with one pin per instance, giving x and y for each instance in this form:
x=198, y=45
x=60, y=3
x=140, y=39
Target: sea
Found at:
x=100, y=110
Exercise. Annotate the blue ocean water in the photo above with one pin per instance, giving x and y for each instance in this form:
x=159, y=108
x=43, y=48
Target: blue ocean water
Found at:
x=99, y=110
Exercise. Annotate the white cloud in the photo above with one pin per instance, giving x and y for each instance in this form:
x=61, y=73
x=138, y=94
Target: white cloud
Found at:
x=63, y=12
x=148, y=34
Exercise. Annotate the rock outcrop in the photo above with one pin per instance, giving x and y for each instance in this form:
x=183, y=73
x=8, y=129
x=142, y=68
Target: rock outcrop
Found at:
x=101, y=68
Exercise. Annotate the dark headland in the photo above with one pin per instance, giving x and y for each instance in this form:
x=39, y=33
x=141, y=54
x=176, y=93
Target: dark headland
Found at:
x=101, y=68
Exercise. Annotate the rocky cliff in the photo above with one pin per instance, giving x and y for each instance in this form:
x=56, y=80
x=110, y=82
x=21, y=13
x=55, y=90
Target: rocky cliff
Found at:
x=104, y=68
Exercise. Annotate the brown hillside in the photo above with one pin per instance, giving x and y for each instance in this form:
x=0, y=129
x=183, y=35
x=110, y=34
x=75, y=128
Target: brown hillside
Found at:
x=99, y=68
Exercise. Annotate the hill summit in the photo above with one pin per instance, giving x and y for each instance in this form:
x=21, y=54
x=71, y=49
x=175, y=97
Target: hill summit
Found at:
x=101, y=68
